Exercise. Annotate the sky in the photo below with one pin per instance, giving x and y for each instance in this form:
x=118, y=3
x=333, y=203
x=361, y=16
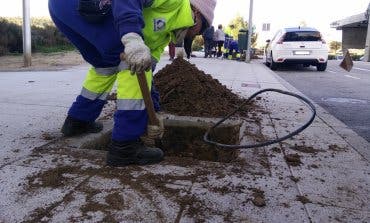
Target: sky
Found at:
x=279, y=13
x=289, y=13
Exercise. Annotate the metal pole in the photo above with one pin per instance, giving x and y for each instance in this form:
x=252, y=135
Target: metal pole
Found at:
x=367, y=43
x=26, y=30
x=250, y=30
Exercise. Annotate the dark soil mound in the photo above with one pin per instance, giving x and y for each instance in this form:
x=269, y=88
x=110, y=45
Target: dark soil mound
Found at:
x=186, y=90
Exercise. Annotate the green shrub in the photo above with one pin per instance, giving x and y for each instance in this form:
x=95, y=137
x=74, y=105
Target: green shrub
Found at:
x=198, y=43
x=45, y=36
x=356, y=57
x=331, y=57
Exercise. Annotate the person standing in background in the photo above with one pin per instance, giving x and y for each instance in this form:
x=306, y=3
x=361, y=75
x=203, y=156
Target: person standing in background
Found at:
x=171, y=49
x=208, y=41
x=188, y=42
x=219, y=39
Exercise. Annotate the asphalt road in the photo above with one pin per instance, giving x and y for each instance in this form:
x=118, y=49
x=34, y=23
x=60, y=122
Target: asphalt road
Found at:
x=346, y=95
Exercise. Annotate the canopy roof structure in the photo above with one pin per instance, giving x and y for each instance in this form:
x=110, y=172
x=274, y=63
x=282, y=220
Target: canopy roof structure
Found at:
x=355, y=21
x=355, y=32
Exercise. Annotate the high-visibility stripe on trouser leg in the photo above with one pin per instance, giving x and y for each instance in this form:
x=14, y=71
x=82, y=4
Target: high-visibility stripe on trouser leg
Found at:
x=130, y=119
x=90, y=102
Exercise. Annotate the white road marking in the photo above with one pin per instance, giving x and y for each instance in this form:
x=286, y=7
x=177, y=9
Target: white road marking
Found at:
x=352, y=77
x=330, y=71
x=361, y=69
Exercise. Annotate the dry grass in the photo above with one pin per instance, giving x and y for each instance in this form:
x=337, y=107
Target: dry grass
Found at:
x=41, y=61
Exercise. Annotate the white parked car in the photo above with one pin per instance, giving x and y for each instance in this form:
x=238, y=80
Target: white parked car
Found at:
x=299, y=45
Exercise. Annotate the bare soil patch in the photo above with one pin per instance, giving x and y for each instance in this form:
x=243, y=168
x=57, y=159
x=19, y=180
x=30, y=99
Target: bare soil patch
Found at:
x=42, y=61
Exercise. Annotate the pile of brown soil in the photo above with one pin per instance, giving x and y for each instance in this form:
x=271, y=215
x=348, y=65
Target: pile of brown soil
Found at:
x=186, y=90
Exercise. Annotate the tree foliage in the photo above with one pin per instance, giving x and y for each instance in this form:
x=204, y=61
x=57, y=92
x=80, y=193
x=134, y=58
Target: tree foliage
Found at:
x=198, y=43
x=303, y=23
x=237, y=24
x=43, y=31
x=335, y=46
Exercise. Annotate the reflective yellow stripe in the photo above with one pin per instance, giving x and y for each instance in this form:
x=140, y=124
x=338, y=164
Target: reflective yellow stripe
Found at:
x=106, y=71
x=92, y=96
x=128, y=85
x=97, y=83
x=130, y=104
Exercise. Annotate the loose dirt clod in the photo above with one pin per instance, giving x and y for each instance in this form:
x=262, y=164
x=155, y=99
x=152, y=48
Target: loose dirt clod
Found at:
x=303, y=199
x=276, y=150
x=293, y=159
x=47, y=136
x=336, y=148
x=50, y=178
x=186, y=90
x=294, y=179
x=258, y=197
x=112, y=96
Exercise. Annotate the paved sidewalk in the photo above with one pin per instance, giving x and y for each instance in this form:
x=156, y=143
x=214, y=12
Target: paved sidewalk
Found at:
x=45, y=178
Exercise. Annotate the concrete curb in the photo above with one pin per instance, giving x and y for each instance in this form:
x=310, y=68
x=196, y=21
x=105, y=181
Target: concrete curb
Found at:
x=353, y=139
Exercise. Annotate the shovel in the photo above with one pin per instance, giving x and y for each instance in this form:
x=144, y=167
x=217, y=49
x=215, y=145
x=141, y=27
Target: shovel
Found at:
x=153, y=120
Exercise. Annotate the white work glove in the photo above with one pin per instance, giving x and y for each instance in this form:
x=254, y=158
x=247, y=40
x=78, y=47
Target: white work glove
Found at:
x=137, y=54
x=180, y=52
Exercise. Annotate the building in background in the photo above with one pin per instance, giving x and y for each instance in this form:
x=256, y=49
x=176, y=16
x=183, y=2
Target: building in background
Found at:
x=355, y=32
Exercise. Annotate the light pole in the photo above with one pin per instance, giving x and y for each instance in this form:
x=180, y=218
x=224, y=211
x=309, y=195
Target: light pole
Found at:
x=367, y=44
x=250, y=30
x=26, y=31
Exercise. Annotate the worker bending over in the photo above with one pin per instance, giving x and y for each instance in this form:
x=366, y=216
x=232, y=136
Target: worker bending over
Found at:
x=103, y=29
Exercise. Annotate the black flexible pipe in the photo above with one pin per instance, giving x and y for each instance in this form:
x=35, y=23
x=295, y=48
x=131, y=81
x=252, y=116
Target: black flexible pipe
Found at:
x=269, y=142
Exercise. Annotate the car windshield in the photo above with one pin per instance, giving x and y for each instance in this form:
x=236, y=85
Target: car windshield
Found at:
x=302, y=36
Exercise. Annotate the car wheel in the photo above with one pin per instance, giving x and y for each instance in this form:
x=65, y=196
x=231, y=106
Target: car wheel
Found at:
x=273, y=65
x=306, y=65
x=266, y=61
x=321, y=66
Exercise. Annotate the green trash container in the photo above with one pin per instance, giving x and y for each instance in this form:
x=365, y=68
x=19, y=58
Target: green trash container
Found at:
x=243, y=40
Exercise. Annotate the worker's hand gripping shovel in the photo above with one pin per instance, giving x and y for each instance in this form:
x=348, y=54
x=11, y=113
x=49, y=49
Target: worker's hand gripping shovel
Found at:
x=155, y=127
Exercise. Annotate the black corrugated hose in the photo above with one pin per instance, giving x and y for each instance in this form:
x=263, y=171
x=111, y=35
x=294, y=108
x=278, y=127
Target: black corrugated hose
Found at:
x=269, y=142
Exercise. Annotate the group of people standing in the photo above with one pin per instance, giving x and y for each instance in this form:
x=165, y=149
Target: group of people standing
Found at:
x=213, y=39
x=177, y=47
x=213, y=42
x=216, y=44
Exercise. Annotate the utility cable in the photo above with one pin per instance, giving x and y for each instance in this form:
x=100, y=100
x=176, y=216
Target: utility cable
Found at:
x=269, y=142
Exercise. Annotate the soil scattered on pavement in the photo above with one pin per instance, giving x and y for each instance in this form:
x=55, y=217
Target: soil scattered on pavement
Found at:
x=305, y=149
x=293, y=159
x=51, y=178
x=336, y=148
x=186, y=90
x=42, y=62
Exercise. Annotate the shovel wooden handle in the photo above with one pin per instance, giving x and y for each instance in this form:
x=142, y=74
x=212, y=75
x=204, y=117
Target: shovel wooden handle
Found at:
x=146, y=96
x=147, y=99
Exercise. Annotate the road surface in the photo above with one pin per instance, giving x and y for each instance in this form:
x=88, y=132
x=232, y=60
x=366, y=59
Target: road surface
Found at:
x=346, y=95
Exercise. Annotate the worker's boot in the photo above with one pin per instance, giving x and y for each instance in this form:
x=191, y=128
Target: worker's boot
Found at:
x=132, y=152
x=73, y=127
